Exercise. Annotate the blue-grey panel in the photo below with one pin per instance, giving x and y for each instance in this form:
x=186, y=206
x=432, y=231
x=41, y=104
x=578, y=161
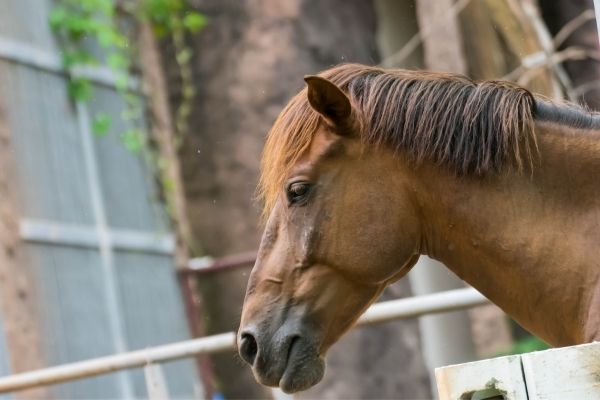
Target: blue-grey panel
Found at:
x=153, y=314
x=74, y=315
x=53, y=186
x=27, y=21
x=47, y=145
x=128, y=185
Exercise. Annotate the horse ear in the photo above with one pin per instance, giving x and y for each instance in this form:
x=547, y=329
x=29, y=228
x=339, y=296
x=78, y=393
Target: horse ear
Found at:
x=330, y=101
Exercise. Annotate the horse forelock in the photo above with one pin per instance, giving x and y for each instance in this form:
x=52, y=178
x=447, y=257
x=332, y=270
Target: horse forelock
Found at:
x=468, y=127
x=290, y=136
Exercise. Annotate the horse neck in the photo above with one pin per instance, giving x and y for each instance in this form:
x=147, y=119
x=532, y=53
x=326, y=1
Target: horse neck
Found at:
x=529, y=242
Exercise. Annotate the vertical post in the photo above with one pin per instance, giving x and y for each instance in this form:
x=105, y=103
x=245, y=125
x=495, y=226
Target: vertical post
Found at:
x=193, y=308
x=446, y=338
x=155, y=382
x=106, y=251
x=597, y=11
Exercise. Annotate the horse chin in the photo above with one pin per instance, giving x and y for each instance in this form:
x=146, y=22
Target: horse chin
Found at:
x=294, y=366
x=304, y=369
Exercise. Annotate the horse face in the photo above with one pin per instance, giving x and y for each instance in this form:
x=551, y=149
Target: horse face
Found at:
x=343, y=228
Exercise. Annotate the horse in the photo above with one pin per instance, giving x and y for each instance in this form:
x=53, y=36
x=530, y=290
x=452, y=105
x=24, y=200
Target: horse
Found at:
x=366, y=169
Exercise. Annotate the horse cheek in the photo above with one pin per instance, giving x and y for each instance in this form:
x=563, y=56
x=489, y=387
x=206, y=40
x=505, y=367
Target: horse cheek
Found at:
x=370, y=239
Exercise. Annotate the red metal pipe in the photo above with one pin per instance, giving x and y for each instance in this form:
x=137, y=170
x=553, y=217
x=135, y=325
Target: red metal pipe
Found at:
x=193, y=303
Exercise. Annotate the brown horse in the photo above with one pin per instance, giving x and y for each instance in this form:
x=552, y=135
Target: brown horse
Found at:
x=366, y=169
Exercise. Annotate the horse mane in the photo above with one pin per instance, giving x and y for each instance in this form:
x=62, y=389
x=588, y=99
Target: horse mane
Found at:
x=565, y=113
x=471, y=128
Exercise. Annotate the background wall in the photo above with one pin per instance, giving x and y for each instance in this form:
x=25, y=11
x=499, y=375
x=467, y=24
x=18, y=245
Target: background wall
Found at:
x=86, y=245
x=88, y=265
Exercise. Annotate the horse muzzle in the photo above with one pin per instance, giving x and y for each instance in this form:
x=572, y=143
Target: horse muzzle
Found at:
x=287, y=359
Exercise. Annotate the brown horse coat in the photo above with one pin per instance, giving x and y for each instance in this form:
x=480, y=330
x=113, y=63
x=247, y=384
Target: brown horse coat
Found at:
x=366, y=169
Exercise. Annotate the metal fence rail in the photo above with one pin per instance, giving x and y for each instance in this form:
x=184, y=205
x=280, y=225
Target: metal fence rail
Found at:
x=378, y=313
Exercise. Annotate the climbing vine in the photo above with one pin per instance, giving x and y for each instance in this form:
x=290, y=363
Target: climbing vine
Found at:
x=81, y=24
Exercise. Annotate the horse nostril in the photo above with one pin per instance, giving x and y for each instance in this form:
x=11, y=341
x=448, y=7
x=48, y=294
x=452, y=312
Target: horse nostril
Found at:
x=248, y=348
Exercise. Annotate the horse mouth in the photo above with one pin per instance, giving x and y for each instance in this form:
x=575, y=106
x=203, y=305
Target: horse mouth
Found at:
x=295, y=340
x=304, y=367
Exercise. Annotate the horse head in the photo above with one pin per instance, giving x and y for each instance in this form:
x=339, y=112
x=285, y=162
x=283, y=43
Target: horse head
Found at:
x=367, y=168
x=340, y=228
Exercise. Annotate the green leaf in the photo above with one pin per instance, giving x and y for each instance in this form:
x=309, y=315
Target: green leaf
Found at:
x=101, y=124
x=184, y=56
x=121, y=82
x=132, y=113
x=76, y=26
x=78, y=57
x=117, y=61
x=107, y=7
x=58, y=15
x=168, y=184
x=133, y=140
x=160, y=30
x=132, y=99
x=80, y=89
x=525, y=345
x=194, y=21
x=118, y=39
x=69, y=59
x=106, y=38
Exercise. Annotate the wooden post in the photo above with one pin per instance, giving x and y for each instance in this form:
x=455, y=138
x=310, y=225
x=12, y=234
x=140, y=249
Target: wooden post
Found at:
x=443, y=44
x=17, y=295
x=163, y=132
x=463, y=381
x=567, y=373
x=521, y=40
x=597, y=11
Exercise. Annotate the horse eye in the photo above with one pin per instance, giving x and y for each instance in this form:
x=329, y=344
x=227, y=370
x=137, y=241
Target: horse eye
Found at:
x=297, y=192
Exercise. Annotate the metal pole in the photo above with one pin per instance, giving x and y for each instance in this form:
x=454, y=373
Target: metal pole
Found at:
x=117, y=362
x=382, y=312
x=417, y=306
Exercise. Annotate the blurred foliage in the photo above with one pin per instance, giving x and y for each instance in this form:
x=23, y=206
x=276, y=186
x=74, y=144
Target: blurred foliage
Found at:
x=169, y=15
x=175, y=19
x=79, y=23
x=525, y=345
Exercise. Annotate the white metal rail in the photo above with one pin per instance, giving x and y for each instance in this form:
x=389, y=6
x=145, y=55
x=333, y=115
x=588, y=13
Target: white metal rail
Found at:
x=61, y=233
x=378, y=313
x=34, y=57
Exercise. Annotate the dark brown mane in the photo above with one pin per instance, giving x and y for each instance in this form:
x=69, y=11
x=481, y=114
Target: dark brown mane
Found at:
x=572, y=115
x=468, y=127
